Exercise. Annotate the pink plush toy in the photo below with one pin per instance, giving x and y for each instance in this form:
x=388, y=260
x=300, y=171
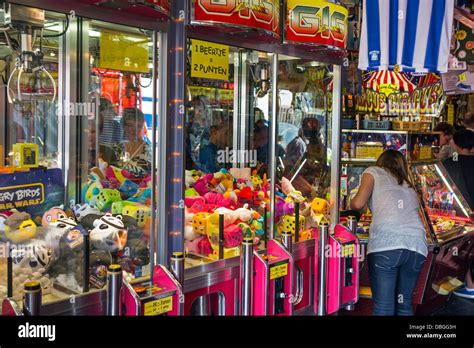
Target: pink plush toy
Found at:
x=283, y=208
x=217, y=199
x=202, y=184
x=232, y=236
x=190, y=200
x=198, y=207
x=204, y=246
x=146, y=182
x=199, y=245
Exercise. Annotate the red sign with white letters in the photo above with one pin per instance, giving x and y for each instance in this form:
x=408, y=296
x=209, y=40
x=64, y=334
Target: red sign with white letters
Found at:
x=258, y=14
x=316, y=22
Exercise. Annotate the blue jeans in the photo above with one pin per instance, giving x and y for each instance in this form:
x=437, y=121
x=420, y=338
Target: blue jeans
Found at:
x=393, y=275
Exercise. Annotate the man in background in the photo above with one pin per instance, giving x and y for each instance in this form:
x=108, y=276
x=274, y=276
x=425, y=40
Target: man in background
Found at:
x=460, y=168
x=446, y=139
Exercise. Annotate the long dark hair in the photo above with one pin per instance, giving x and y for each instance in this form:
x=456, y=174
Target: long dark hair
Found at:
x=396, y=164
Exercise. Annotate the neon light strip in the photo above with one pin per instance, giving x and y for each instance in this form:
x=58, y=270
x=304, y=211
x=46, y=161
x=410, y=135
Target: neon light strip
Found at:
x=451, y=190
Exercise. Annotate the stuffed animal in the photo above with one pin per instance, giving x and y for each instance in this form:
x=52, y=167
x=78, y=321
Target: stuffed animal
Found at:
x=202, y=185
x=199, y=222
x=106, y=197
x=256, y=181
x=138, y=212
x=217, y=199
x=52, y=215
x=142, y=196
x=82, y=210
x=56, y=230
x=223, y=181
x=128, y=188
x=19, y=227
x=190, y=200
x=36, y=256
x=109, y=233
x=189, y=178
x=241, y=174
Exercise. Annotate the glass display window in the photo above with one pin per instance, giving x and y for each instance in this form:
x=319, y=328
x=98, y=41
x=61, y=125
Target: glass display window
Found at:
x=303, y=146
x=79, y=153
x=116, y=187
x=228, y=119
x=32, y=194
x=444, y=204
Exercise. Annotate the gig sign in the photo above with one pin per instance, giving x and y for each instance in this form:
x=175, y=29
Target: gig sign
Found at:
x=317, y=22
x=259, y=14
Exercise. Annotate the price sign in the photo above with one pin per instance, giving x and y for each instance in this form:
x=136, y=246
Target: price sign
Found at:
x=278, y=270
x=348, y=250
x=157, y=307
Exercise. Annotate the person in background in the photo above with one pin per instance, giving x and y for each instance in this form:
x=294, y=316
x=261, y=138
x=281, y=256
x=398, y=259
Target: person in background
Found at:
x=133, y=153
x=110, y=132
x=468, y=121
x=260, y=141
x=296, y=148
x=397, y=243
x=107, y=130
x=445, y=142
x=208, y=156
x=197, y=132
x=460, y=168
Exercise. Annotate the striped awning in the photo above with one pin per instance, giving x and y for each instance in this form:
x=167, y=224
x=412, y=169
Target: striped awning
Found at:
x=428, y=80
x=385, y=77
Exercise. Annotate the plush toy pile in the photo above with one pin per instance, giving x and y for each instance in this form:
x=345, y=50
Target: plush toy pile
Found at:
x=236, y=194
x=230, y=194
x=49, y=248
x=310, y=214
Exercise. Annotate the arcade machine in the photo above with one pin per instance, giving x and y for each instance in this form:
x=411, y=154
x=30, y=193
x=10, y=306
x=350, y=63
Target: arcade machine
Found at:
x=89, y=120
x=447, y=217
x=309, y=94
x=231, y=187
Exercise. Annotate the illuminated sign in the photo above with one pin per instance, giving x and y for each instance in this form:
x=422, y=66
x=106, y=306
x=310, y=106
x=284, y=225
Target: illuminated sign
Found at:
x=422, y=100
x=259, y=14
x=317, y=22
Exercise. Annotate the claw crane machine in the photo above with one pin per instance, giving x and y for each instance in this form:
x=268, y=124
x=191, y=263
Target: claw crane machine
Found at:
x=255, y=73
x=80, y=147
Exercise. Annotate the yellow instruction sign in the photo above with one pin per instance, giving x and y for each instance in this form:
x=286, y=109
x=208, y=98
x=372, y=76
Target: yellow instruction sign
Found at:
x=209, y=60
x=278, y=271
x=157, y=307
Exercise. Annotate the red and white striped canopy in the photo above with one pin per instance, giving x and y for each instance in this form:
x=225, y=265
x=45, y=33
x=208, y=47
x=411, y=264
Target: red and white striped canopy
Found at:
x=383, y=77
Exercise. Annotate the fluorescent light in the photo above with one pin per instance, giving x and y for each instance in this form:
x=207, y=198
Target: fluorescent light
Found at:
x=94, y=33
x=451, y=190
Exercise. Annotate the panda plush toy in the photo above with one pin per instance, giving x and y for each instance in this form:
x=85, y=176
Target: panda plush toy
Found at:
x=56, y=230
x=36, y=256
x=109, y=233
x=82, y=210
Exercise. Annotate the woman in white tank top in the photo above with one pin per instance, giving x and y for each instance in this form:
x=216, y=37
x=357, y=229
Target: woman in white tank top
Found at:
x=397, y=241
